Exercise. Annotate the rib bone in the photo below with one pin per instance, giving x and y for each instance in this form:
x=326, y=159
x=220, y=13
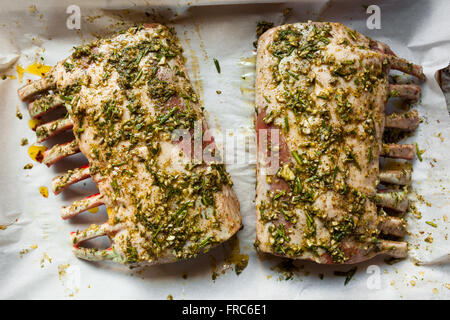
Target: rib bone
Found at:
x=395, y=249
x=405, y=66
x=394, y=226
x=396, y=176
x=60, y=151
x=167, y=97
x=36, y=87
x=44, y=104
x=79, y=206
x=396, y=200
x=92, y=254
x=399, y=151
x=406, y=91
x=93, y=231
x=53, y=128
x=397, y=63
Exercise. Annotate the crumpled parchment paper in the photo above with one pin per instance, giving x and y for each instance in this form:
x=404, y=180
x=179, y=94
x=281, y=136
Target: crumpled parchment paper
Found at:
x=35, y=250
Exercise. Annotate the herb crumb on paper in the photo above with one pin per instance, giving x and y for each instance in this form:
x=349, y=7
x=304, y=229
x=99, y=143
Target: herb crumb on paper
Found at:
x=347, y=274
x=5, y=226
x=45, y=258
x=26, y=251
x=19, y=114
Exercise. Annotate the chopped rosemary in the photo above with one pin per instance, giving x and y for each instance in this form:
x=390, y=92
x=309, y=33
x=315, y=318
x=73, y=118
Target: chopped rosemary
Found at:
x=216, y=63
x=419, y=153
x=430, y=223
x=296, y=157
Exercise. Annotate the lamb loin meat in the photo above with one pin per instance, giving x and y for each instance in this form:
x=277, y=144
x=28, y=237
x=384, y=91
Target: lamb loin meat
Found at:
x=321, y=92
x=126, y=96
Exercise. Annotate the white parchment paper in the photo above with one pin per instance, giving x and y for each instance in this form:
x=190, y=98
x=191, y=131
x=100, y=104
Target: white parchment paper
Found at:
x=35, y=252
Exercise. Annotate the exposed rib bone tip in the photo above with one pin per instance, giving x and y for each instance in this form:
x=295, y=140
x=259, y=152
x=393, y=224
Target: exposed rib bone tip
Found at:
x=396, y=200
x=80, y=206
x=398, y=151
x=396, y=249
x=61, y=182
x=60, y=151
x=396, y=176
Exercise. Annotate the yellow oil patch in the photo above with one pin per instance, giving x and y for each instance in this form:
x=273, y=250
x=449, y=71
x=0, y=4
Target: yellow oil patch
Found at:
x=93, y=210
x=20, y=72
x=37, y=152
x=44, y=191
x=36, y=68
x=33, y=123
